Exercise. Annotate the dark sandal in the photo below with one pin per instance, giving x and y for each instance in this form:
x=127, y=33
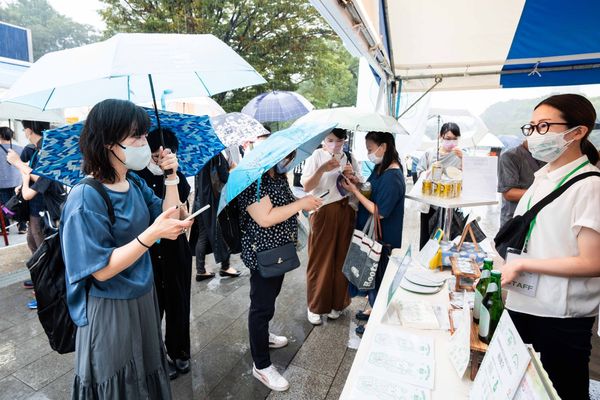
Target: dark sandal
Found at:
x=232, y=275
x=361, y=316
x=203, y=277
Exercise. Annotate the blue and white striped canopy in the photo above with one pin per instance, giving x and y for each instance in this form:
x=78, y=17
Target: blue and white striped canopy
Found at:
x=473, y=44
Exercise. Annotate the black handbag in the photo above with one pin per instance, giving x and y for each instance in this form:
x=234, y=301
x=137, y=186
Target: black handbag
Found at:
x=18, y=207
x=276, y=262
x=514, y=232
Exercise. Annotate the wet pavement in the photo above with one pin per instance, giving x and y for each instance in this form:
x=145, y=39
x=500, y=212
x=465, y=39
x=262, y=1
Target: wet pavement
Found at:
x=316, y=361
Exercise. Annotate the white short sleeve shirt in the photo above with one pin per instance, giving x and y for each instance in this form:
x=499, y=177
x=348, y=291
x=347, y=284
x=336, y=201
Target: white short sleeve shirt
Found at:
x=555, y=236
x=328, y=179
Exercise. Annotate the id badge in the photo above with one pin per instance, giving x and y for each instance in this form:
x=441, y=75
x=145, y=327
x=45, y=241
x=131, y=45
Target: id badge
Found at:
x=527, y=282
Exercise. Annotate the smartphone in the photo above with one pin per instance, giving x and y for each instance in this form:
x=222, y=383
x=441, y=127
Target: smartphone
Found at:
x=200, y=211
x=321, y=196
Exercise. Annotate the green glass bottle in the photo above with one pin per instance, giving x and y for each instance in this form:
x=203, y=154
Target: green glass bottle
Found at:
x=491, y=308
x=481, y=288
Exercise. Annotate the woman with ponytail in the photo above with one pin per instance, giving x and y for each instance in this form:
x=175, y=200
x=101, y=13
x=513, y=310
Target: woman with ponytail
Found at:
x=387, y=197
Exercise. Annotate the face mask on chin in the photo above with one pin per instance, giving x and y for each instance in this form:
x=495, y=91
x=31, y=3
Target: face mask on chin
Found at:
x=136, y=158
x=549, y=147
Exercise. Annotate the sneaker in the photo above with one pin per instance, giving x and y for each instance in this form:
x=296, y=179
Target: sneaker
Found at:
x=313, y=318
x=32, y=305
x=334, y=314
x=28, y=284
x=277, y=342
x=271, y=378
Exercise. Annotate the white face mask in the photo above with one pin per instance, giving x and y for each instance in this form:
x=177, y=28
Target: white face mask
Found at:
x=155, y=169
x=549, y=147
x=136, y=158
x=374, y=158
x=283, y=166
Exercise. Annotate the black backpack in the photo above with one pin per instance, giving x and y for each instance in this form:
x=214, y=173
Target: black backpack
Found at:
x=47, y=269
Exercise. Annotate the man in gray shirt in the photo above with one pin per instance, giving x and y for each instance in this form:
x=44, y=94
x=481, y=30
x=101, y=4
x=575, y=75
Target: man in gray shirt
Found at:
x=515, y=176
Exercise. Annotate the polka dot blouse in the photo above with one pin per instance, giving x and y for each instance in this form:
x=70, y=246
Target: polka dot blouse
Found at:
x=255, y=238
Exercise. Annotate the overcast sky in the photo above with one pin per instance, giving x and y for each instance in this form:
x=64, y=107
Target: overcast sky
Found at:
x=476, y=101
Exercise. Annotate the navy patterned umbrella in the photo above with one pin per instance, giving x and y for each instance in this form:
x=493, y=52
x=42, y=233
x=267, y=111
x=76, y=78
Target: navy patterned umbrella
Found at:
x=60, y=158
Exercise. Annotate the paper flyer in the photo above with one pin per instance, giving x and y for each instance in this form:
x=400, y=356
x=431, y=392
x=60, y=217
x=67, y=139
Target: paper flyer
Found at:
x=504, y=364
x=460, y=343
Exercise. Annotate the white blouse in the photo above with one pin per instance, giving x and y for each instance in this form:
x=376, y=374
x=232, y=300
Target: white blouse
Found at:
x=328, y=179
x=555, y=236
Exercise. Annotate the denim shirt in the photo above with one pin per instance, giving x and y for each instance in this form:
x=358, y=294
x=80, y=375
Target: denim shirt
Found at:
x=88, y=239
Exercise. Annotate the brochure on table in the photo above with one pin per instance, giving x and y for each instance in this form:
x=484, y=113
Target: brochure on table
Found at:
x=460, y=342
x=400, y=365
x=509, y=369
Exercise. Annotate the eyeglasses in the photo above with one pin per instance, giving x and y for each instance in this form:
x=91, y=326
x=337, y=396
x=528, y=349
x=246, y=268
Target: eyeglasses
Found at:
x=541, y=128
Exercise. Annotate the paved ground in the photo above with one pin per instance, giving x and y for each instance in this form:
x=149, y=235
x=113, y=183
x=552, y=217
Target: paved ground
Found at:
x=316, y=361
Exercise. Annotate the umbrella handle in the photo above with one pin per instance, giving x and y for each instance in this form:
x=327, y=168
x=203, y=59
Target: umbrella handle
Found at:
x=160, y=132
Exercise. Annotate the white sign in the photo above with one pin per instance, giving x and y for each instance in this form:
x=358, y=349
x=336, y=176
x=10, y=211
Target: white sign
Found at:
x=526, y=283
x=480, y=178
x=504, y=364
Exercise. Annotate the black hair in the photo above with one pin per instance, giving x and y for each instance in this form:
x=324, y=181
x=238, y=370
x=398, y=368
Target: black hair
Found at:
x=451, y=127
x=38, y=127
x=576, y=110
x=108, y=123
x=340, y=133
x=169, y=136
x=391, y=154
x=6, y=133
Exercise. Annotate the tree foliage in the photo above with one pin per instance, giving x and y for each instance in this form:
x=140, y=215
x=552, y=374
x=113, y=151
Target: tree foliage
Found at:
x=287, y=42
x=50, y=31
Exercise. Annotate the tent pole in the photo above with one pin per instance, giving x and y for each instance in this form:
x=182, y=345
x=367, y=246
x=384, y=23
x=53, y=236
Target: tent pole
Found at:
x=438, y=80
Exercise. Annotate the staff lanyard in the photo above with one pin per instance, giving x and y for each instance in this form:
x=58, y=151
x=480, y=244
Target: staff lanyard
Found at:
x=563, y=180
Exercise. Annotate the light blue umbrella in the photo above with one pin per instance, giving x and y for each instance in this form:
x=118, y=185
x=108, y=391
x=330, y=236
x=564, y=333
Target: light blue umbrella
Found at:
x=60, y=157
x=303, y=138
x=277, y=106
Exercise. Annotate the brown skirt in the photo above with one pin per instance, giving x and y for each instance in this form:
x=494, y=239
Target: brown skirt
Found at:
x=330, y=235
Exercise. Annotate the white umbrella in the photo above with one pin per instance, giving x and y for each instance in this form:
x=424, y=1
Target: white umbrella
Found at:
x=195, y=106
x=490, y=140
x=25, y=112
x=134, y=66
x=354, y=119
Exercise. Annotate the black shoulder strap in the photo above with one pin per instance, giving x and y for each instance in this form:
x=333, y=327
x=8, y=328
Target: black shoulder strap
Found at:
x=102, y=191
x=555, y=194
x=348, y=157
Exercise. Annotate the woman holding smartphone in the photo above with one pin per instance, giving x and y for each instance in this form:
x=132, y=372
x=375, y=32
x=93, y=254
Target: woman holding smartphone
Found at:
x=331, y=227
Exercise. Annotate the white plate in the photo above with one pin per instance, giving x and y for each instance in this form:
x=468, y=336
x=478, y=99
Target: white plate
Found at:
x=424, y=278
x=411, y=287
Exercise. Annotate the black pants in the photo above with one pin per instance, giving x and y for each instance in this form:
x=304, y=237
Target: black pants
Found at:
x=219, y=249
x=263, y=293
x=172, y=269
x=565, y=346
x=425, y=233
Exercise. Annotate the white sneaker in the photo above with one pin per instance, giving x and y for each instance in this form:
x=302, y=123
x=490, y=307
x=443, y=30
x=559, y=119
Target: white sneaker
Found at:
x=334, y=314
x=271, y=378
x=313, y=318
x=277, y=342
